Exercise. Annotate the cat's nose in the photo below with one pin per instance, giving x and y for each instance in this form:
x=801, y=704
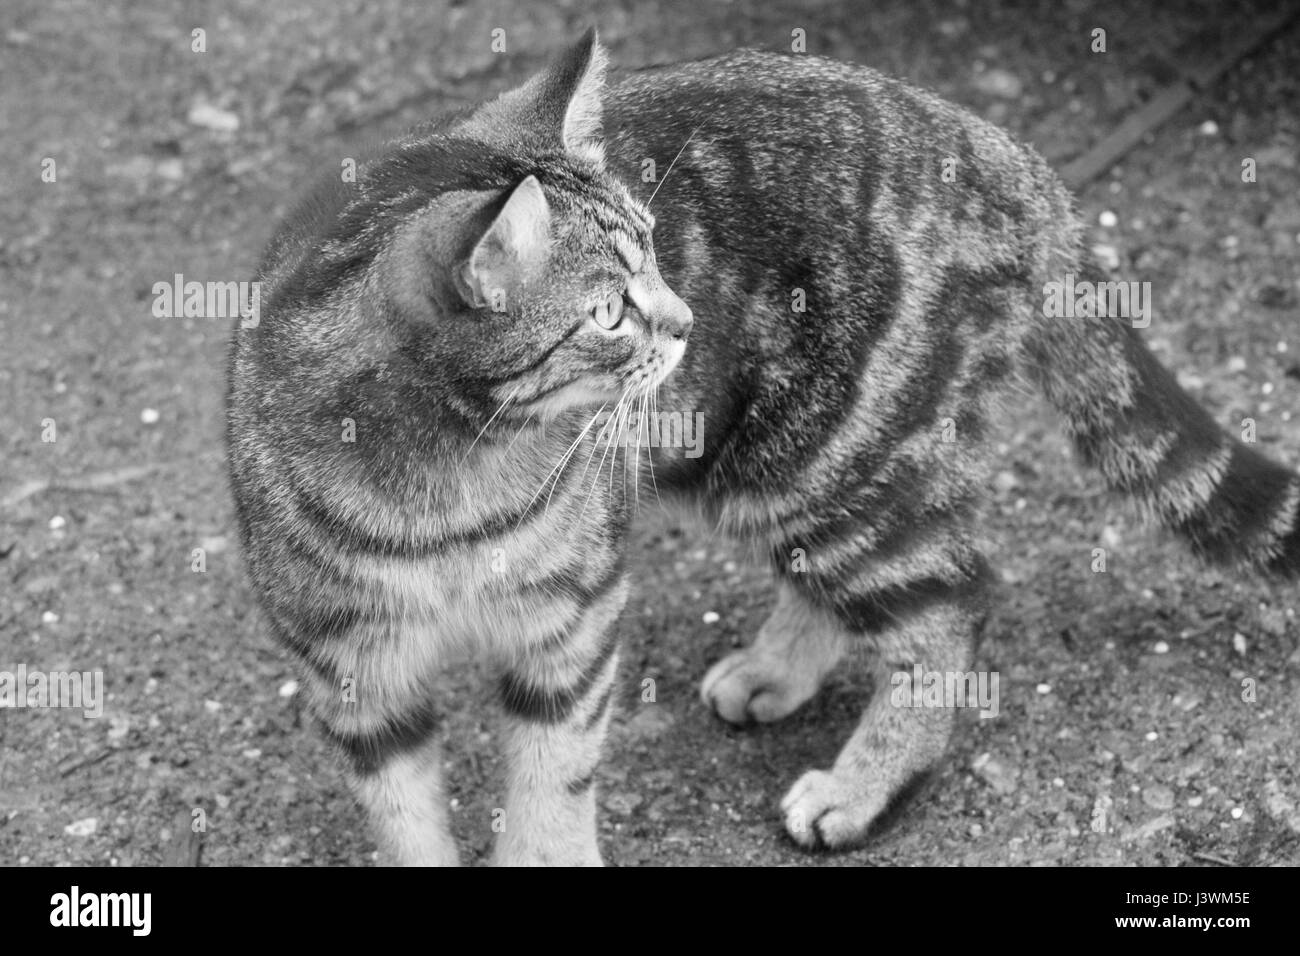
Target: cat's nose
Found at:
x=676, y=319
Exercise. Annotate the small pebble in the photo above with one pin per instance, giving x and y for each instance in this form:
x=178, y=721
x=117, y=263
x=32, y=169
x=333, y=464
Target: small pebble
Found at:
x=1237, y=812
x=171, y=169
x=49, y=617
x=1239, y=643
x=252, y=753
x=1152, y=735
x=118, y=728
x=1006, y=481
x=1161, y=647
x=1108, y=220
x=1158, y=797
x=1195, y=801
x=289, y=688
x=994, y=773
x=623, y=803
x=1044, y=688
x=212, y=706
x=81, y=828
x=150, y=416
x=57, y=523
x=998, y=82
x=1107, y=255
x=712, y=617
x=214, y=544
x=213, y=118
x=1236, y=364
x=1208, y=128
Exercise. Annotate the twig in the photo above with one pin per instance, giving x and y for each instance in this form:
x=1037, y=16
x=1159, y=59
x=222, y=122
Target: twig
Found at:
x=95, y=481
x=186, y=844
x=86, y=762
x=1169, y=101
x=1211, y=858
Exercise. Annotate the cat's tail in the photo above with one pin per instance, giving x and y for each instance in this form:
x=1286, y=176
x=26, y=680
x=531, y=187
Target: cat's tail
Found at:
x=1129, y=418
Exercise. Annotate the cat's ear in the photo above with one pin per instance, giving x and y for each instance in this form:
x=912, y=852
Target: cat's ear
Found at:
x=512, y=249
x=579, y=78
x=561, y=106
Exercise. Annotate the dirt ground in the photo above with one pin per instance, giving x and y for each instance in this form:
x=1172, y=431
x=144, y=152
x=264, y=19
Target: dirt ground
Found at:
x=1123, y=736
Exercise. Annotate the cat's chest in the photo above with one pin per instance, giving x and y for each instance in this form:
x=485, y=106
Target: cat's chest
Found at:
x=497, y=593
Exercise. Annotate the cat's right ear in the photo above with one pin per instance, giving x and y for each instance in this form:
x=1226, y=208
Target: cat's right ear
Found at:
x=560, y=107
x=510, y=252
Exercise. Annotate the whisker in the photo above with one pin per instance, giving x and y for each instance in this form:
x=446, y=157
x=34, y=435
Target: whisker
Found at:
x=486, y=426
x=558, y=470
x=617, y=438
x=609, y=441
x=527, y=421
x=636, y=469
x=672, y=164
x=564, y=461
x=596, y=442
x=654, y=414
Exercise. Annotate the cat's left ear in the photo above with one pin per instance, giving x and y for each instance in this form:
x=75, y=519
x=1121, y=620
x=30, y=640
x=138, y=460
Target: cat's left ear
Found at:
x=578, y=80
x=511, y=251
x=561, y=106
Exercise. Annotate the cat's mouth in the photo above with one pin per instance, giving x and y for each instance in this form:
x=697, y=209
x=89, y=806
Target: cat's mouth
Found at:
x=642, y=378
x=652, y=373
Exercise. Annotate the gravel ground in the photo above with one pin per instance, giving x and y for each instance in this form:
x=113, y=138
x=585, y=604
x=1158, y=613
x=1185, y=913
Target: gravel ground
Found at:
x=1123, y=736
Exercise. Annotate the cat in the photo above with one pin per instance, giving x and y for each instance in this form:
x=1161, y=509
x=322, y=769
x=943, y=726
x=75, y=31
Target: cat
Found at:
x=834, y=273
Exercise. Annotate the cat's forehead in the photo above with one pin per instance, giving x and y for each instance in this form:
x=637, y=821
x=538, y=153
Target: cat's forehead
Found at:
x=630, y=250
x=611, y=208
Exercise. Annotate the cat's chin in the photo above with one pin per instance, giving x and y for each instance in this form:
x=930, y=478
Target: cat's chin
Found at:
x=574, y=395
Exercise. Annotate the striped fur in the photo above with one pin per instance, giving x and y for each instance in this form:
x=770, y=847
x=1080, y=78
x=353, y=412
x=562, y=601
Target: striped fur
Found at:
x=419, y=476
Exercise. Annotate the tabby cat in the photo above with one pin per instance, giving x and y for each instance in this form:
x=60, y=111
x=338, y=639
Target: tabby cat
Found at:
x=426, y=426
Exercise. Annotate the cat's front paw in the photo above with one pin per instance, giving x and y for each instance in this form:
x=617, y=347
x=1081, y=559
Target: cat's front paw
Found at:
x=827, y=809
x=749, y=686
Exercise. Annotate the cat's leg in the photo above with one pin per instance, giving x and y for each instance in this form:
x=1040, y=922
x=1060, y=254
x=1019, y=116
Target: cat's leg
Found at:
x=557, y=694
x=380, y=719
x=798, y=645
x=928, y=619
x=403, y=796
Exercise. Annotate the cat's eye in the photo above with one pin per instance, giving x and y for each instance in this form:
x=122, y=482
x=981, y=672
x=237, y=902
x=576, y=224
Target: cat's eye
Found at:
x=609, y=311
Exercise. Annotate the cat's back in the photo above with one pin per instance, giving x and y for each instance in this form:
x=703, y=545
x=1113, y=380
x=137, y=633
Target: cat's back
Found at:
x=793, y=120
x=749, y=89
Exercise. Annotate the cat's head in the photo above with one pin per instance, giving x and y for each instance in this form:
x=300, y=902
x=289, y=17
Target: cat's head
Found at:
x=528, y=278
